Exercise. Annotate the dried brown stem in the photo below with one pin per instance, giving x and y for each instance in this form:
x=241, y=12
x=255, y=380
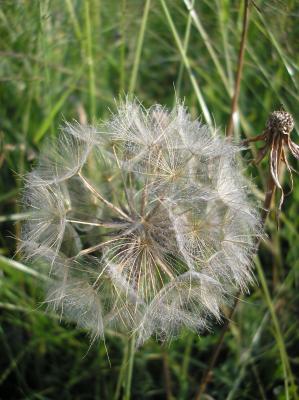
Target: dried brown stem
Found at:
x=234, y=104
x=270, y=192
x=214, y=357
x=272, y=184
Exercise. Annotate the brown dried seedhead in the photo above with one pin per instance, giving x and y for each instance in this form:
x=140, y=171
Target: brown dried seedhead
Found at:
x=277, y=137
x=280, y=121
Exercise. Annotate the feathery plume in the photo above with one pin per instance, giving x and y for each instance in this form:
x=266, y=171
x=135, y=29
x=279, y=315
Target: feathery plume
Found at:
x=145, y=222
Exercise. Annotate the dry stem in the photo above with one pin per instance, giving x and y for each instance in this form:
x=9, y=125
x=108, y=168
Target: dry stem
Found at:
x=271, y=187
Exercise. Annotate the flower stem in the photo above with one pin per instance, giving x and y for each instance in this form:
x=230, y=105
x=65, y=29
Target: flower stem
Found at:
x=167, y=375
x=270, y=192
x=130, y=363
x=120, y=380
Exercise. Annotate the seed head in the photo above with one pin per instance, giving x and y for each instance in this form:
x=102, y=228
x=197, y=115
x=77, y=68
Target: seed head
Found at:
x=145, y=222
x=277, y=138
x=280, y=121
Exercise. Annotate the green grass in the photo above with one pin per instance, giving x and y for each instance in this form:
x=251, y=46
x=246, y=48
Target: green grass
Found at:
x=69, y=59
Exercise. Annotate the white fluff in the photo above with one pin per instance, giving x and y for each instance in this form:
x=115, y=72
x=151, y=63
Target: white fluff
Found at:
x=145, y=222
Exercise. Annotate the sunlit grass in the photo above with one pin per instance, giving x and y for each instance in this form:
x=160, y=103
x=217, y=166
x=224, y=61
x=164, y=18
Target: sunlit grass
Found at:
x=69, y=60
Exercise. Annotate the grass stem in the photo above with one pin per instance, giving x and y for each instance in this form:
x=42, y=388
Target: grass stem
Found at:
x=139, y=47
x=187, y=64
x=234, y=104
x=128, y=381
x=185, y=44
x=167, y=375
x=90, y=61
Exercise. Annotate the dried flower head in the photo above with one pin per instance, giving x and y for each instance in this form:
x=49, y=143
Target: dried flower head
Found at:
x=145, y=223
x=277, y=138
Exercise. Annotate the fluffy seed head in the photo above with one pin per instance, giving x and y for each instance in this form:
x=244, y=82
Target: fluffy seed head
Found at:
x=145, y=222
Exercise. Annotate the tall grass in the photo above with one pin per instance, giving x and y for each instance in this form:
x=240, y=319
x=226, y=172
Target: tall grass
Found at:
x=69, y=60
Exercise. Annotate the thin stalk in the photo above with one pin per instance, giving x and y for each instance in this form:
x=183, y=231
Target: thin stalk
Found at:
x=214, y=357
x=122, y=58
x=74, y=20
x=101, y=198
x=45, y=44
x=222, y=13
x=259, y=382
x=187, y=64
x=247, y=356
x=234, y=104
x=270, y=192
x=10, y=265
x=101, y=224
x=167, y=375
x=90, y=61
x=121, y=373
x=96, y=247
x=287, y=372
x=207, y=43
x=128, y=381
x=185, y=45
x=19, y=216
x=185, y=367
x=139, y=47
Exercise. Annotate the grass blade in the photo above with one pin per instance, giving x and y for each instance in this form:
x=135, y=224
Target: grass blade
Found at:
x=186, y=62
x=139, y=47
x=8, y=264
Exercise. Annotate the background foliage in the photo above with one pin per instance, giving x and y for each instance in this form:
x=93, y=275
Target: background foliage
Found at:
x=69, y=59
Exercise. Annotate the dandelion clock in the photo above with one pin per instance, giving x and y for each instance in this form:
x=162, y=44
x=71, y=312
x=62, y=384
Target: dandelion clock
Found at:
x=143, y=223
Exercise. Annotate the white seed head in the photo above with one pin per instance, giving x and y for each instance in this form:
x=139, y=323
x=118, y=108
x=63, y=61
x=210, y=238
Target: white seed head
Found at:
x=145, y=223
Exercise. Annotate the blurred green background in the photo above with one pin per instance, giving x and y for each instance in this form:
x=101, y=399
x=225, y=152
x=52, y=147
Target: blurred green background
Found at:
x=69, y=59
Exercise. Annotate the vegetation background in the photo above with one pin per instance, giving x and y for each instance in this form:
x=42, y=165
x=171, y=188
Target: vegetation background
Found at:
x=69, y=59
